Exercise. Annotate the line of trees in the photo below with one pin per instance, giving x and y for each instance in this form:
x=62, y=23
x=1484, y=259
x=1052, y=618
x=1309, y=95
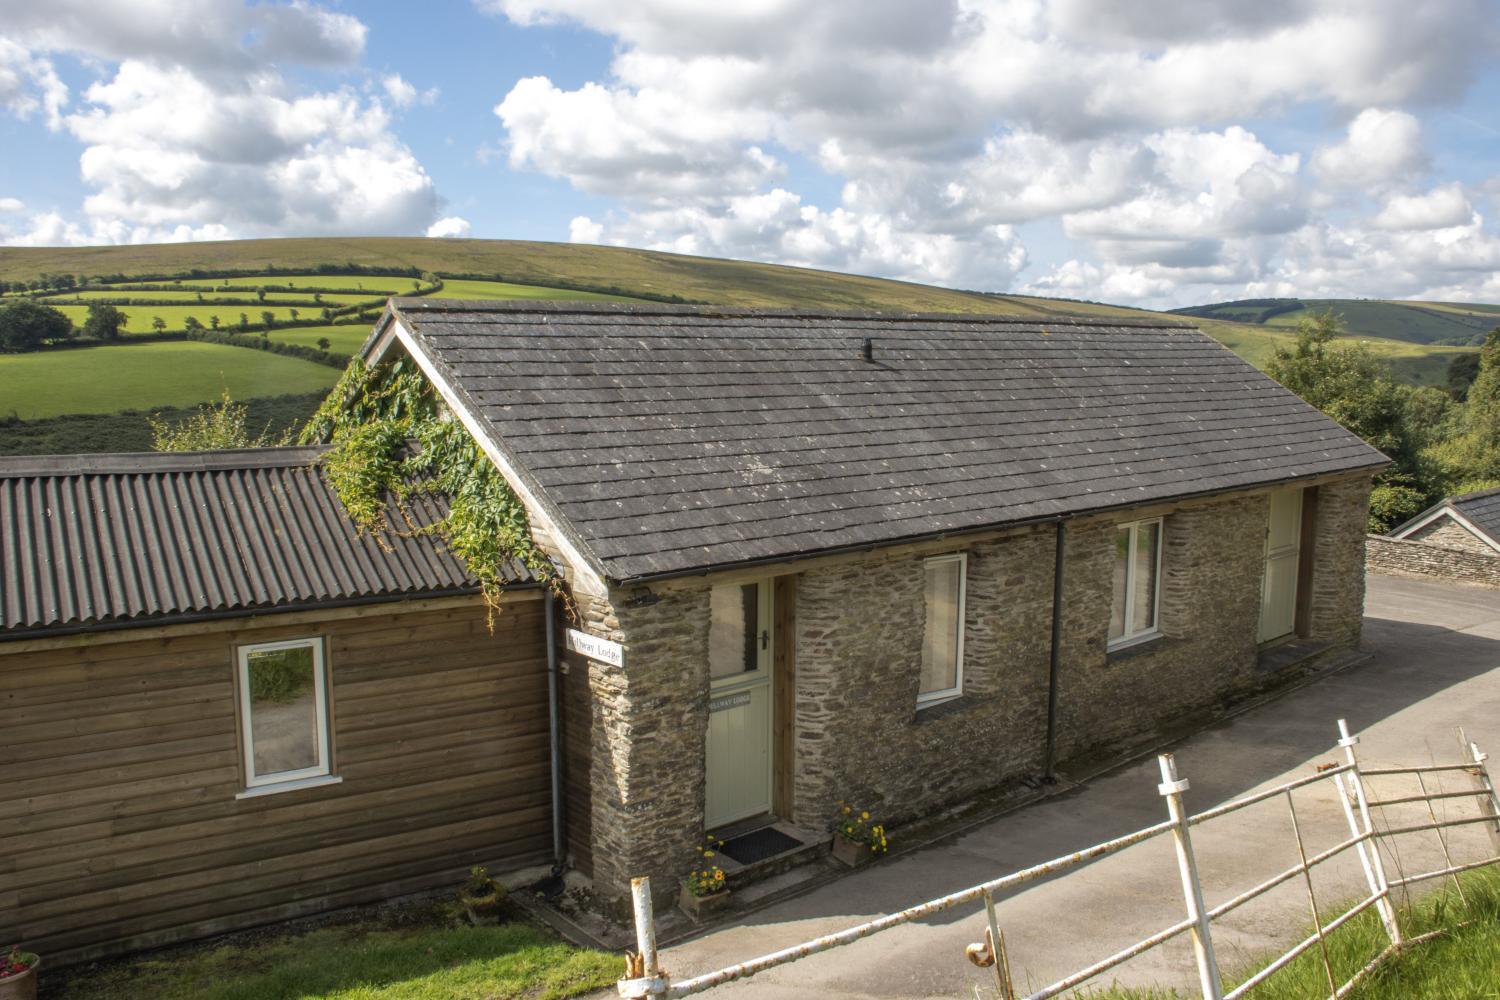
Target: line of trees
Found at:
x=1440, y=443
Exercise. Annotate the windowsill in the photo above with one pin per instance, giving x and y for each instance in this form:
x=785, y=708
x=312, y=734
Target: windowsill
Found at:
x=939, y=708
x=1133, y=646
x=290, y=786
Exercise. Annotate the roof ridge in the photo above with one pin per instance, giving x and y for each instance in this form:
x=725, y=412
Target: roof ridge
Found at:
x=410, y=306
x=127, y=462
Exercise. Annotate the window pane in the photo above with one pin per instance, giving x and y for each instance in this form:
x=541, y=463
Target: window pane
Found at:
x=283, y=710
x=1122, y=570
x=1143, y=610
x=940, y=641
x=733, y=629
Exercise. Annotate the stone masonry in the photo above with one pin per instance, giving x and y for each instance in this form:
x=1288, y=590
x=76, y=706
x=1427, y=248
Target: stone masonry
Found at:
x=1425, y=560
x=1449, y=533
x=858, y=734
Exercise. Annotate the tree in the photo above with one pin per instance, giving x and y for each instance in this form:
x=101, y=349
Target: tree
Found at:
x=215, y=425
x=260, y=295
x=192, y=323
x=244, y=322
x=268, y=318
x=1472, y=455
x=294, y=314
x=104, y=322
x=26, y=325
x=1462, y=371
x=213, y=322
x=1346, y=382
x=327, y=315
x=324, y=343
x=158, y=324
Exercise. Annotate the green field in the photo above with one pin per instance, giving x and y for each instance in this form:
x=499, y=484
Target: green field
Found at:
x=175, y=317
x=342, y=339
x=143, y=376
x=209, y=298
x=1452, y=324
x=459, y=288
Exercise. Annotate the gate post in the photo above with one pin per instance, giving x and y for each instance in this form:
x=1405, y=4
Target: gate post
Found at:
x=1171, y=788
x=643, y=976
x=1369, y=850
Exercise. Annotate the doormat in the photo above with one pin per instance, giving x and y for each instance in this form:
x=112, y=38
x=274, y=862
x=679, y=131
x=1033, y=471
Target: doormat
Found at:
x=757, y=845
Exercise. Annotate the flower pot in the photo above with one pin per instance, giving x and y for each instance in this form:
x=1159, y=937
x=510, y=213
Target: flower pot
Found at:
x=21, y=986
x=699, y=908
x=850, y=854
x=483, y=910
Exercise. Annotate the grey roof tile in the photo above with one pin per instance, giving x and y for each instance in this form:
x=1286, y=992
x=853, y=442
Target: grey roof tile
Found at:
x=679, y=439
x=146, y=538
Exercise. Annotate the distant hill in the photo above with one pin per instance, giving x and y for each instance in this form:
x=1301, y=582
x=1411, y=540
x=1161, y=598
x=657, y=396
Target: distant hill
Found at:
x=1417, y=339
x=1444, y=324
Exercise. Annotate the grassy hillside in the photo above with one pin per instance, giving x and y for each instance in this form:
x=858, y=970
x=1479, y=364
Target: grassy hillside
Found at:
x=143, y=376
x=1449, y=324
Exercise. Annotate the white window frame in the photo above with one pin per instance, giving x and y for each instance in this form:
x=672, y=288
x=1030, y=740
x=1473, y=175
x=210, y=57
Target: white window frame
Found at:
x=931, y=698
x=1130, y=638
x=307, y=777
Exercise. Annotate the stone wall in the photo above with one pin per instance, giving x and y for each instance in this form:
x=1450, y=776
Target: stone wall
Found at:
x=1449, y=533
x=859, y=734
x=1424, y=560
x=1336, y=607
x=1210, y=607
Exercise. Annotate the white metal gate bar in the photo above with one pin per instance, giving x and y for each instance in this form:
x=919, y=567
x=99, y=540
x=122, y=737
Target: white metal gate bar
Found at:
x=645, y=978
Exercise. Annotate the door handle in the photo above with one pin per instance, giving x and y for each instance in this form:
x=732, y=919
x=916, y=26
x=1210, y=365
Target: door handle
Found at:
x=765, y=638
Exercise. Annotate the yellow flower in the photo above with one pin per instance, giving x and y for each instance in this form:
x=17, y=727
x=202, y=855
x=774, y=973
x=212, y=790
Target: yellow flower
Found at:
x=864, y=815
x=847, y=810
x=708, y=854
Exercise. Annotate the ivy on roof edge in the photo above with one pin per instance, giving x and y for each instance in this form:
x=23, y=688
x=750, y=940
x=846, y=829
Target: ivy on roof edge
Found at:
x=392, y=440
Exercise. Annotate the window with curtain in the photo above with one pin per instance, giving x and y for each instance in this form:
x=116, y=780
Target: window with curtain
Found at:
x=943, y=637
x=1137, y=586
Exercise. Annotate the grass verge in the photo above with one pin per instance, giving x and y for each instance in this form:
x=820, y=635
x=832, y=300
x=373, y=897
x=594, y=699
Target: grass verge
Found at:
x=362, y=961
x=1461, y=964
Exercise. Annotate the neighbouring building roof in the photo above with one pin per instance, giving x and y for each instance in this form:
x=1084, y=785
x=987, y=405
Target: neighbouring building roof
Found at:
x=149, y=538
x=1479, y=512
x=671, y=440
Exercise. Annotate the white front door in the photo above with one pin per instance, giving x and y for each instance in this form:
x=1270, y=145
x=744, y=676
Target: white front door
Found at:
x=1278, y=595
x=739, y=702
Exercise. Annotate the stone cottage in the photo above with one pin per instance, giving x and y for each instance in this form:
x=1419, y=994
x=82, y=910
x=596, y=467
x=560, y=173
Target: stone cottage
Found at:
x=1470, y=522
x=892, y=559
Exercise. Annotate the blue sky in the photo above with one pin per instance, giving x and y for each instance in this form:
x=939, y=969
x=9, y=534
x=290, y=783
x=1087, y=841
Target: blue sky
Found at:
x=1161, y=154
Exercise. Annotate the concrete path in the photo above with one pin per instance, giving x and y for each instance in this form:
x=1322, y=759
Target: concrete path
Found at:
x=1435, y=665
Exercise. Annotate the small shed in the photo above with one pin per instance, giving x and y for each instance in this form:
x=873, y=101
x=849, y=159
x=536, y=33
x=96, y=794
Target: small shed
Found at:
x=1469, y=521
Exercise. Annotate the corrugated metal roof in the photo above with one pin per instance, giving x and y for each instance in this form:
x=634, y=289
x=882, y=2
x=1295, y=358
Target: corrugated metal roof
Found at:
x=142, y=538
x=674, y=440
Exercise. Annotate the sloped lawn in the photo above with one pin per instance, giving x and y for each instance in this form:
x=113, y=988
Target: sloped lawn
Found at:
x=358, y=962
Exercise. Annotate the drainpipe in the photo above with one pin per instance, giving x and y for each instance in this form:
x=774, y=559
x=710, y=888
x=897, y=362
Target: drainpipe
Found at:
x=1049, y=770
x=559, y=852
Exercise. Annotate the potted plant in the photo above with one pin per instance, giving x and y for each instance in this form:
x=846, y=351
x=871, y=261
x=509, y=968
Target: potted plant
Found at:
x=856, y=838
x=18, y=974
x=482, y=898
x=705, y=891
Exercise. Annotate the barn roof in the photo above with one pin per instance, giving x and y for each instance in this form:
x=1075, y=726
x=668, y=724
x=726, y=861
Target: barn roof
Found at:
x=1478, y=511
x=150, y=538
x=669, y=440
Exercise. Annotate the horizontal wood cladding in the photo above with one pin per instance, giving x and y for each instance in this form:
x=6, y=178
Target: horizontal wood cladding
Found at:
x=120, y=823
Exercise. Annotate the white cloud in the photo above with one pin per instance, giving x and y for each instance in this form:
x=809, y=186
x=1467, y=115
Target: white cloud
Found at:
x=10, y=206
x=1441, y=208
x=449, y=227
x=404, y=94
x=191, y=132
x=943, y=124
x=29, y=83
x=1380, y=147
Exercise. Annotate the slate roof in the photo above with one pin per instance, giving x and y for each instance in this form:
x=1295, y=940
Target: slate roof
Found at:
x=144, y=539
x=1481, y=509
x=673, y=440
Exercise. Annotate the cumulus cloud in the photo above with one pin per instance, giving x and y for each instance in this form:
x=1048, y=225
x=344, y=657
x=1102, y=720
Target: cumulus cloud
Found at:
x=190, y=132
x=449, y=227
x=946, y=126
x=403, y=94
x=1441, y=208
x=1380, y=147
x=10, y=206
x=29, y=84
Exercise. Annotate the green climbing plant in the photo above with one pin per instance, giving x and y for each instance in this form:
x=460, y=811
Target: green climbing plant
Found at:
x=392, y=441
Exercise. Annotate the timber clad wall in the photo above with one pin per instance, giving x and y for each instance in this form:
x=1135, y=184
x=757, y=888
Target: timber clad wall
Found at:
x=120, y=825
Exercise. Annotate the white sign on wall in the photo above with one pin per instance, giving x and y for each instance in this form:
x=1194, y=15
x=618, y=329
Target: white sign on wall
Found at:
x=595, y=648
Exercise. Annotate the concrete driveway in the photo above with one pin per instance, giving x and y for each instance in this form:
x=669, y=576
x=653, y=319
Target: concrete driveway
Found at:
x=1435, y=665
